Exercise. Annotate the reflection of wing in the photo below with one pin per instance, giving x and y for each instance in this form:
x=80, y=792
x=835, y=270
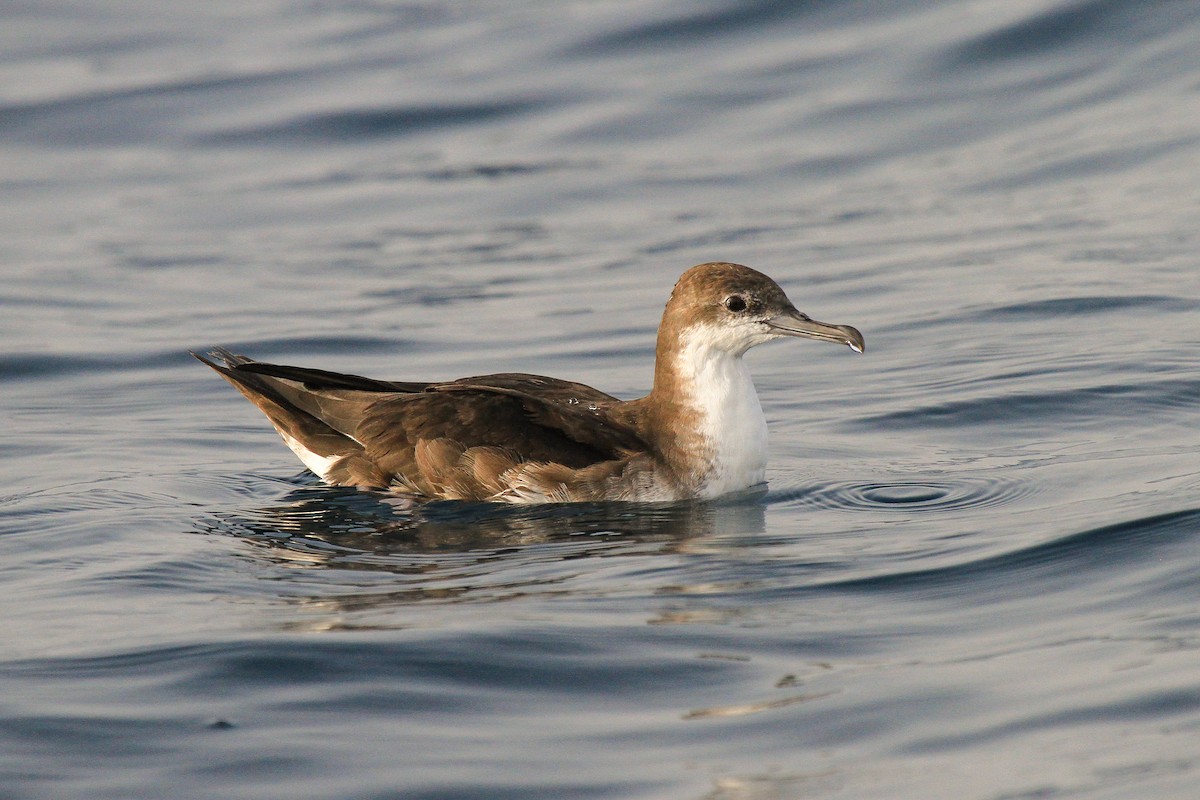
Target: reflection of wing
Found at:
x=466, y=438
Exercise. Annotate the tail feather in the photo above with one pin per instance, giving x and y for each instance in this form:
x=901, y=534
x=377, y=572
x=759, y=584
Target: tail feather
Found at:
x=319, y=445
x=338, y=401
x=319, y=379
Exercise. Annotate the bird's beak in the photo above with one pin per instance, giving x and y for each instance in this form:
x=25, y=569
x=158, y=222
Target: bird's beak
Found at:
x=793, y=323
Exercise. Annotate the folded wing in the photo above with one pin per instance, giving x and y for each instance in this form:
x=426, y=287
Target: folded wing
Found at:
x=474, y=438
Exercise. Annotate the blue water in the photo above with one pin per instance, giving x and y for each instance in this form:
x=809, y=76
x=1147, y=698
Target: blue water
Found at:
x=975, y=572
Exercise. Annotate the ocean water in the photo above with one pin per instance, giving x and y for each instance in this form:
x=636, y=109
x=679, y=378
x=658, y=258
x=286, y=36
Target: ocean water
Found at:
x=974, y=575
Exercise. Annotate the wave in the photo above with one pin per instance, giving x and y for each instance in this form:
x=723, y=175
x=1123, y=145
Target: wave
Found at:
x=1072, y=406
x=1048, y=565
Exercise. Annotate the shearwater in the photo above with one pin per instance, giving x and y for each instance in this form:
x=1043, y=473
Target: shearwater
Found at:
x=517, y=438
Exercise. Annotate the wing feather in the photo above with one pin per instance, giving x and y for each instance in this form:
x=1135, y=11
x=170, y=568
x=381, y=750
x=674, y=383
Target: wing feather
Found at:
x=467, y=439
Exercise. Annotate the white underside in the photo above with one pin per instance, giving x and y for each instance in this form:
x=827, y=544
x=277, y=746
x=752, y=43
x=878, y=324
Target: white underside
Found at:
x=320, y=465
x=731, y=419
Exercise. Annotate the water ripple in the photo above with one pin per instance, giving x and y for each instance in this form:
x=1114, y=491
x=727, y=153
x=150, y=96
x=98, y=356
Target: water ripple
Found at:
x=684, y=30
x=918, y=496
x=1056, y=562
x=1057, y=307
x=29, y=365
x=1060, y=407
x=354, y=125
x=1050, y=32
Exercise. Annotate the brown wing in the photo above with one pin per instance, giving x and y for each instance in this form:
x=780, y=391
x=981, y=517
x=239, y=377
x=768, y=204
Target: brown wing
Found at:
x=551, y=390
x=548, y=390
x=456, y=439
x=473, y=442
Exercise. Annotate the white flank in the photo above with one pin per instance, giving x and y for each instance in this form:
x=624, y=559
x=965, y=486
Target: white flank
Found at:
x=320, y=465
x=731, y=419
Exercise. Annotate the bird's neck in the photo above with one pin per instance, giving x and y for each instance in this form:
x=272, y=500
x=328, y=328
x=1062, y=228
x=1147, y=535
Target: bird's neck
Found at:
x=704, y=414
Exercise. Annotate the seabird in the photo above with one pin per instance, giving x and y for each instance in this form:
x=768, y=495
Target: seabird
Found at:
x=517, y=438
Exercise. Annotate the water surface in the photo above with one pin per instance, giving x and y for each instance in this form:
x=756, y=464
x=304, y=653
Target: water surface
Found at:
x=974, y=572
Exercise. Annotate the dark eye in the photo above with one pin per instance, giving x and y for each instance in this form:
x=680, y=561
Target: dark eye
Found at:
x=735, y=303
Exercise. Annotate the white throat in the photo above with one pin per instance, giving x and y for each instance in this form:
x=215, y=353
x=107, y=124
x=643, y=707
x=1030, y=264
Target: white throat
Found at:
x=718, y=386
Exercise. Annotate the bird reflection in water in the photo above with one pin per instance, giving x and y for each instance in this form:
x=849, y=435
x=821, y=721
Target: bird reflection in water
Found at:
x=375, y=551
